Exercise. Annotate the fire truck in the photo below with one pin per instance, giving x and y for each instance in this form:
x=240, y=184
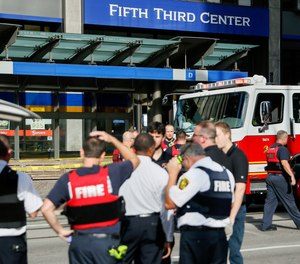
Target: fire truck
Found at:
x=255, y=112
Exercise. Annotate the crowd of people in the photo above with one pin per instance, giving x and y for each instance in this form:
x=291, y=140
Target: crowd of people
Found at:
x=158, y=182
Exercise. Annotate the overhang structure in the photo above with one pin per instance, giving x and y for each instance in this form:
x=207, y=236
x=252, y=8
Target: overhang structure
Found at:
x=65, y=61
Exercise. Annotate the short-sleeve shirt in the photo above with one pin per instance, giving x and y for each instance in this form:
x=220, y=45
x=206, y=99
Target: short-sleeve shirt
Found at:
x=163, y=159
x=239, y=162
x=118, y=174
x=198, y=181
x=218, y=156
x=282, y=152
x=26, y=193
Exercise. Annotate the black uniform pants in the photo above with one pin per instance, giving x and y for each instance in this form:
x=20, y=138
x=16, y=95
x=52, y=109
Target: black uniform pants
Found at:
x=144, y=237
x=203, y=246
x=89, y=249
x=13, y=250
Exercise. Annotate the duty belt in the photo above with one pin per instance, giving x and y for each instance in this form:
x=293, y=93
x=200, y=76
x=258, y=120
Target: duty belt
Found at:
x=96, y=235
x=143, y=215
x=199, y=228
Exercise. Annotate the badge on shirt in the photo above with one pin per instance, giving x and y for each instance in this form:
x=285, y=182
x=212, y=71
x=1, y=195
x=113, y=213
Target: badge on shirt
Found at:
x=183, y=183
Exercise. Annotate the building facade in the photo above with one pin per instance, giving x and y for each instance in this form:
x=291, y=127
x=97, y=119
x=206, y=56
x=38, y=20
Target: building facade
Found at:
x=107, y=64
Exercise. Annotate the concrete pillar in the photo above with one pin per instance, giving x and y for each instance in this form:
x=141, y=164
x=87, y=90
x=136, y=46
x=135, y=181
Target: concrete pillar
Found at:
x=156, y=103
x=72, y=13
x=275, y=42
x=74, y=131
x=56, y=137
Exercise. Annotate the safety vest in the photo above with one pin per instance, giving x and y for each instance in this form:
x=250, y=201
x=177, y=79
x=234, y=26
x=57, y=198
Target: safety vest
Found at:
x=175, y=151
x=117, y=157
x=272, y=160
x=91, y=204
x=215, y=202
x=12, y=210
x=166, y=144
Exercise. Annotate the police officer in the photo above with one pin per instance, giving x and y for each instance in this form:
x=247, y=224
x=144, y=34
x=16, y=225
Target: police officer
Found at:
x=93, y=206
x=203, y=197
x=142, y=228
x=17, y=197
x=279, y=181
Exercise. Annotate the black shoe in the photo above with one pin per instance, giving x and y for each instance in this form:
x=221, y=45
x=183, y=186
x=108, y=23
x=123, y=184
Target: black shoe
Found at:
x=270, y=228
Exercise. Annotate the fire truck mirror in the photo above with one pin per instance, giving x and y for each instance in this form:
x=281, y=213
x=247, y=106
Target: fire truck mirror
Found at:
x=265, y=112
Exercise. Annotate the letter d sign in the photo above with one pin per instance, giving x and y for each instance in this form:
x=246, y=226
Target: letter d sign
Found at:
x=190, y=75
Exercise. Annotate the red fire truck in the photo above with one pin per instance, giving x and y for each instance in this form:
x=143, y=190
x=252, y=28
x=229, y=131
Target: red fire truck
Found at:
x=255, y=112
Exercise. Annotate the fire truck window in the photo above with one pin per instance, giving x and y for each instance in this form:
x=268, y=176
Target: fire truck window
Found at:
x=276, y=101
x=296, y=107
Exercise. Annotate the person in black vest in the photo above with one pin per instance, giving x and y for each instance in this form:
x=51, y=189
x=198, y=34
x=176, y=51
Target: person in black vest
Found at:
x=280, y=180
x=203, y=198
x=93, y=206
x=18, y=197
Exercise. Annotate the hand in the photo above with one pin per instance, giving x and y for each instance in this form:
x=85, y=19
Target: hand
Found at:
x=293, y=181
x=173, y=167
x=101, y=135
x=64, y=234
x=167, y=250
x=228, y=231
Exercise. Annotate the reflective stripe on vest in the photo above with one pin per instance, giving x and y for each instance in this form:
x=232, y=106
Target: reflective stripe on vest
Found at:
x=92, y=204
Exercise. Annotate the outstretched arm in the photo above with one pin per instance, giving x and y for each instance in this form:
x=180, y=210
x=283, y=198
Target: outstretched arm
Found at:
x=125, y=152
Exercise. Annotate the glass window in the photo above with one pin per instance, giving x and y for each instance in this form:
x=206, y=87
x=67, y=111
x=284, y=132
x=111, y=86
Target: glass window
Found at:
x=245, y=2
x=296, y=107
x=229, y=107
x=275, y=101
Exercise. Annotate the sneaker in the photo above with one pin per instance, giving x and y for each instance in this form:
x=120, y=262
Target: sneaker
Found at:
x=270, y=228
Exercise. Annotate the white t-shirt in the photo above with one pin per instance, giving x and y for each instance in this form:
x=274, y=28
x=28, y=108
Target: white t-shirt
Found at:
x=144, y=190
x=26, y=193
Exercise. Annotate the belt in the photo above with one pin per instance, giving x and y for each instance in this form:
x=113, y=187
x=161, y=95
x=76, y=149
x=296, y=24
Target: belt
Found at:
x=199, y=228
x=279, y=174
x=113, y=236
x=143, y=215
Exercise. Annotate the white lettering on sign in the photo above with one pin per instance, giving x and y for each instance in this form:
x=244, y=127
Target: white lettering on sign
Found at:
x=123, y=11
x=221, y=186
x=179, y=16
x=214, y=19
x=89, y=191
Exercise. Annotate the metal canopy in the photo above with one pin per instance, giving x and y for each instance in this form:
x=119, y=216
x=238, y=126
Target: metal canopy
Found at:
x=182, y=52
x=21, y=46
x=225, y=55
x=13, y=112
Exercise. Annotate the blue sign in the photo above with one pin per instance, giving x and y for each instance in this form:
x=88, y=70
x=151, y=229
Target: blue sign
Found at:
x=178, y=15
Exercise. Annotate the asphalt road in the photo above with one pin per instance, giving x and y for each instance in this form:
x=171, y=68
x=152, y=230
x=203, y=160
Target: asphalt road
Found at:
x=281, y=246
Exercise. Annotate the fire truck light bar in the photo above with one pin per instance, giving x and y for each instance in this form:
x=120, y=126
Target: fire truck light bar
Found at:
x=231, y=83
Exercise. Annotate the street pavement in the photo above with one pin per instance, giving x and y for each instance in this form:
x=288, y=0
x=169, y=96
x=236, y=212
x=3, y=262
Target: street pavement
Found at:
x=272, y=247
